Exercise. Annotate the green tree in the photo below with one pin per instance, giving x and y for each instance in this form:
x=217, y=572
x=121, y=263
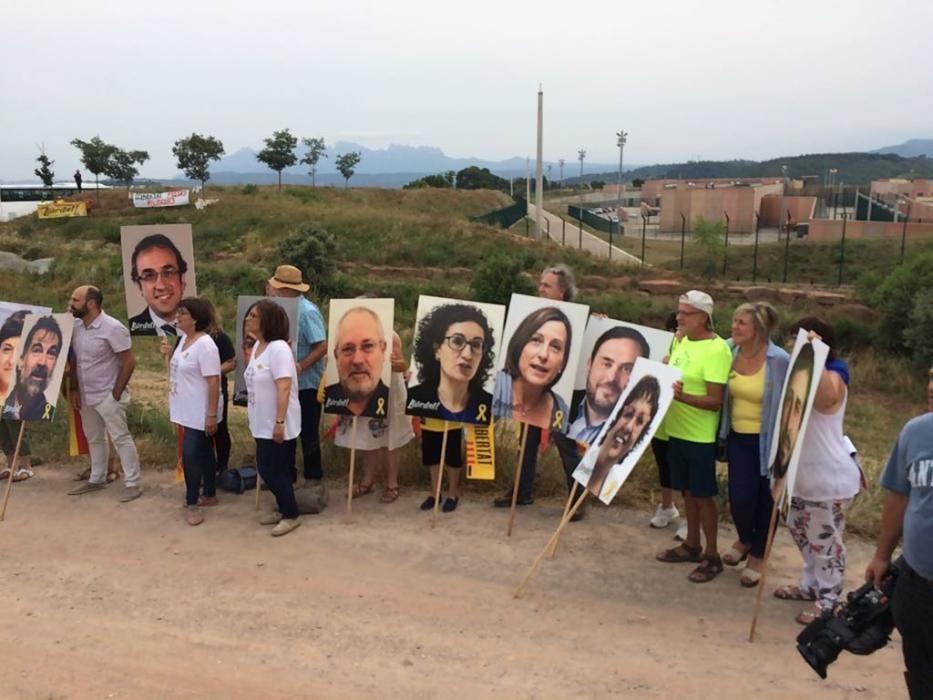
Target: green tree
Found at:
x=895, y=298
x=346, y=164
x=95, y=155
x=316, y=149
x=598, y=184
x=474, y=178
x=44, y=172
x=444, y=181
x=708, y=239
x=312, y=249
x=918, y=336
x=637, y=183
x=194, y=155
x=279, y=152
x=122, y=165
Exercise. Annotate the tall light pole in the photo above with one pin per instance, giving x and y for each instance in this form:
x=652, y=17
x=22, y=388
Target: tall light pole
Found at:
x=539, y=169
x=549, y=181
x=560, y=164
x=621, y=137
x=581, y=156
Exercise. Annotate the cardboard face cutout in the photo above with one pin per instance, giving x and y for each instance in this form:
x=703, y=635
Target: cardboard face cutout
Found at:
x=359, y=362
x=624, y=437
x=11, y=333
x=158, y=272
x=244, y=345
x=536, y=368
x=39, y=367
x=455, y=346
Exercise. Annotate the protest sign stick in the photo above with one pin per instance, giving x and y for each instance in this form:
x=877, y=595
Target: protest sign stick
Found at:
x=550, y=543
x=567, y=505
x=518, y=476
x=13, y=462
x=764, y=571
x=349, y=518
x=440, y=477
x=258, y=480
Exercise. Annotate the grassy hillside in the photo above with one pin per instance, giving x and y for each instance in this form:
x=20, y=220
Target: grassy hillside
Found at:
x=392, y=243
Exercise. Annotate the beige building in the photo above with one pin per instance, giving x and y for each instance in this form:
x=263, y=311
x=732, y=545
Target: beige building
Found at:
x=714, y=200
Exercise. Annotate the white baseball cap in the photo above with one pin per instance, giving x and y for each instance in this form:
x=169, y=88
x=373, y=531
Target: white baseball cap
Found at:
x=701, y=301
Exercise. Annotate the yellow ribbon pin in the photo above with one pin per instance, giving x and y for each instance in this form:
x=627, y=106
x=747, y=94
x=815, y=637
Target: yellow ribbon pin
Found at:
x=481, y=414
x=558, y=419
x=380, y=407
x=47, y=413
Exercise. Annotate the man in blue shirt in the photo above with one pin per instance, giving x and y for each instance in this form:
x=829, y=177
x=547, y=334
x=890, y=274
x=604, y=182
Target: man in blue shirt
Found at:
x=312, y=347
x=908, y=509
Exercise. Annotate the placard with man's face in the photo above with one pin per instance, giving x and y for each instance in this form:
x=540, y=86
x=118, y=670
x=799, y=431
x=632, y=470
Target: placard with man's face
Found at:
x=359, y=357
x=627, y=432
x=536, y=368
x=807, y=361
x=244, y=344
x=12, y=316
x=39, y=367
x=158, y=272
x=610, y=349
x=455, y=346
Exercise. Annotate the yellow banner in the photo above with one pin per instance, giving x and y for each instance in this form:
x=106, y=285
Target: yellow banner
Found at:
x=62, y=210
x=480, y=452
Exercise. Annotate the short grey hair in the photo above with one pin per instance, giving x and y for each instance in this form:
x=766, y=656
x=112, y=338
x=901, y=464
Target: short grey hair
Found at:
x=567, y=282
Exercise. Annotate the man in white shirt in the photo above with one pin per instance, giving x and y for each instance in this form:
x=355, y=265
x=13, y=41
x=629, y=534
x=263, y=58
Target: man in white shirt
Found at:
x=104, y=363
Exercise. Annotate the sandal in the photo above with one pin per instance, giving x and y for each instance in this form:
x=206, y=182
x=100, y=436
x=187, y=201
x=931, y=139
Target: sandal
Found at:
x=750, y=578
x=735, y=555
x=681, y=553
x=710, y=567
x=362, y=489
x=390, y=494
x=22, y=474
x=805, y=617
x=790, y=592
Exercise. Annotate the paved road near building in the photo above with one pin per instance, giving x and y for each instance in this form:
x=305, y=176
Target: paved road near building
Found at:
x=590, y=243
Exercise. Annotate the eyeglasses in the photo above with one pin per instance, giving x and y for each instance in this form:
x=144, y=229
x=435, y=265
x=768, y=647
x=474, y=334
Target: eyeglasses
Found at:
x=690, y=313
x=168, y=274
x=367, y=347
x=457, y=342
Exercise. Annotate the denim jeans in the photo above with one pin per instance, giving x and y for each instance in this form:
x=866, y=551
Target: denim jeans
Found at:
x=197, y=455
x=750, y=500
x=310, y=437
x=275, y=464
x=912, y=606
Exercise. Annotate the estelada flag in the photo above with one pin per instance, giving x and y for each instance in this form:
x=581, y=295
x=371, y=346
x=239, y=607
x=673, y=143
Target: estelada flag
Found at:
x=77, y=440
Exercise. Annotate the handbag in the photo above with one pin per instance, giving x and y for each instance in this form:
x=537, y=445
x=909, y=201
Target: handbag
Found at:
x=237, y=480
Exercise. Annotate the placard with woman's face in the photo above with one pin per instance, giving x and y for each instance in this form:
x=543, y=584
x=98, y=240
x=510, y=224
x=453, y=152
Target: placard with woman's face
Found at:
x=359, y=362
x=610, y=349
x=454, y=350
x=39, y=367
x=536, y=368
x=807, y=361
x=12, y=316
x=158, y=272
x=244, y=343
x=627, y=432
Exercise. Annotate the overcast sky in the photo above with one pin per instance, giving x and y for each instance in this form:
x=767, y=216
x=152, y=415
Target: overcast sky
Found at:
x=717, y=79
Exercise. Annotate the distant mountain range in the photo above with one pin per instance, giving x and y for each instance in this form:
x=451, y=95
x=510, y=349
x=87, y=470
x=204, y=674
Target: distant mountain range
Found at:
x=912, y=148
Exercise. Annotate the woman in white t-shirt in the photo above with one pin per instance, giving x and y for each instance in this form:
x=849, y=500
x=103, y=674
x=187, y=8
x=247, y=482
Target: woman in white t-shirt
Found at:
x=274, y=411
x=194, y=402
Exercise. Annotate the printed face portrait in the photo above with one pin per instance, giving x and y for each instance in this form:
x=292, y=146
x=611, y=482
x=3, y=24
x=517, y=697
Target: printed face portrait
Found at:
x=160, y=279
x=795, y=403
x=626, y=431
x=359, y=352
x=608, y=373
x=9, y=348
x=460, y=351
x=544, y=355
x=38, y=361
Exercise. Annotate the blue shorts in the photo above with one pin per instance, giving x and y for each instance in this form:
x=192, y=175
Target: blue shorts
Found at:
x=693, y=467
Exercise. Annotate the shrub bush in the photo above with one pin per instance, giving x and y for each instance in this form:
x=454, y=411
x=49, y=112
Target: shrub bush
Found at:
x=895, y=298
x=919, y=334
x=312, y=249
x=497, y=278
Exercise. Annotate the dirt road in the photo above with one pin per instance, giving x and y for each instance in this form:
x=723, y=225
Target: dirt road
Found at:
x=104, y=600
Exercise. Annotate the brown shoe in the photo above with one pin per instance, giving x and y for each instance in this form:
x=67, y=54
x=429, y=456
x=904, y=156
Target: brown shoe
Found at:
x=193, y=516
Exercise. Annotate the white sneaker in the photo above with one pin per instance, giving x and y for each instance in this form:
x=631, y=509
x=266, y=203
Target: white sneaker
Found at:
x=664, y=516
x=681, y=533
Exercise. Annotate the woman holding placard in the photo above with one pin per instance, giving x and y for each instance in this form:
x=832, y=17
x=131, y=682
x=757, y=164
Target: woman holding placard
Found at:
x=10, y=334
x=749, y=410
x=195, y=403
x=691, y=424
x=828, y=477
x=274, y=412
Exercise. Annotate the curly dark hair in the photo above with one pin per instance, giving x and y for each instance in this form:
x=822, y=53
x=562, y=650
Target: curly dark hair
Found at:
x=431, y=331
x=526, y=331
x=647, y=389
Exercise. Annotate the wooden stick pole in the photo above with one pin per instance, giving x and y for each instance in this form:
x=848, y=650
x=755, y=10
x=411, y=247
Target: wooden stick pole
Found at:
x=349, y=518
x=518, y=476
x=764, y=571
x=258, y=479
x=554, y=537
x=440, y=477
x=573, y=492
x=13, y=463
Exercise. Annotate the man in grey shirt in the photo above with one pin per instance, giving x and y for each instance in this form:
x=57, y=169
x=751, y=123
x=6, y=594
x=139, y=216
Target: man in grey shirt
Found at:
x=103, y=365
x=908, y=508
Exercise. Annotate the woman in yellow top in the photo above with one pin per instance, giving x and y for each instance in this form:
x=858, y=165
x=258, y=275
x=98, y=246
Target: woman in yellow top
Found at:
x=691, y=424
x=749, y=408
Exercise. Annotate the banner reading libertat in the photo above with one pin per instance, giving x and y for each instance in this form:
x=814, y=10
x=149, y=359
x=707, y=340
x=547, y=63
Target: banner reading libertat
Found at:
x=148, y=200
x=61, y=210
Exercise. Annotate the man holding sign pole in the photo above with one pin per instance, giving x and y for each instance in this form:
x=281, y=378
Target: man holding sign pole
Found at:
x=104, y=363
